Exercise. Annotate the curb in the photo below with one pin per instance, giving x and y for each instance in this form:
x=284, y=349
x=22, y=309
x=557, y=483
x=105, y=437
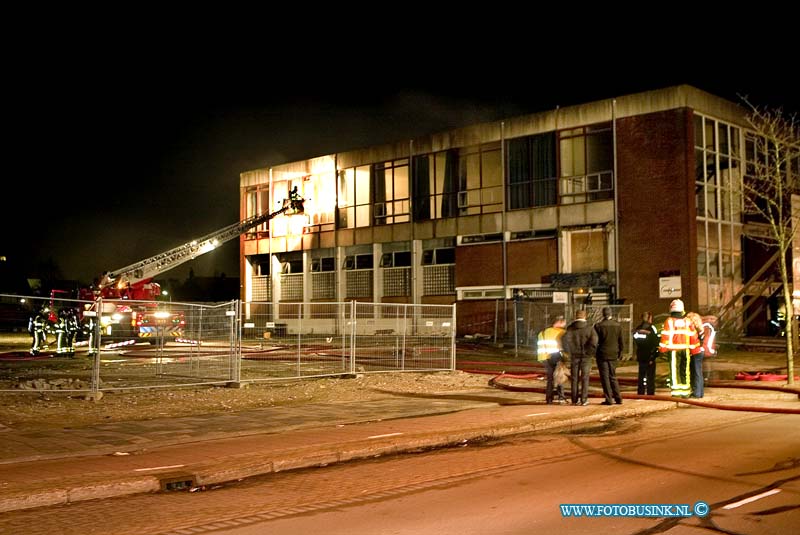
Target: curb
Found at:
x=258, y=464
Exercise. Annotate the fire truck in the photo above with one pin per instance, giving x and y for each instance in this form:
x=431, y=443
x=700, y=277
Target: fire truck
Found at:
x=124, y=308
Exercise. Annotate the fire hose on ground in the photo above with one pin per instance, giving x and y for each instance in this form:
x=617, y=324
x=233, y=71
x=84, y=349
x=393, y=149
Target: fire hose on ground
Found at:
x=495, y=382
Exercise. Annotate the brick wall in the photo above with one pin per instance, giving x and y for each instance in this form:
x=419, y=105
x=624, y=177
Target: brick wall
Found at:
x=657, y=225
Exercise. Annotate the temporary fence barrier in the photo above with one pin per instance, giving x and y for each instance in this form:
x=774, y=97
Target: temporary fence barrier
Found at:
x=127, y=344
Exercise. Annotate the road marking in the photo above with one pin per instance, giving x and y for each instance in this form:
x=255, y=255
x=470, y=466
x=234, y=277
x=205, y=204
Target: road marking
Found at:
x=537, y=414
x=751, y=499
x=386, y=435
x=159, y=467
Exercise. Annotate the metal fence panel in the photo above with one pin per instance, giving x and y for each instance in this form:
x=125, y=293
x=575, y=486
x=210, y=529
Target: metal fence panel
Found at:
x=125, y=344
x=401, y=337
x=518, y=321
x=294, y=340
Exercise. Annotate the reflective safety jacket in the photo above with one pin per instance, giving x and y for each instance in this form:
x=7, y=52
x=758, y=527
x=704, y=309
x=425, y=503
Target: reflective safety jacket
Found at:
x=679, y=334
x=709, y=347
x=548, y=342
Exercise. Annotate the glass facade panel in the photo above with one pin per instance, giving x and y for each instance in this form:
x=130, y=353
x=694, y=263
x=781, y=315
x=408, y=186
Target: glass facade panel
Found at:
x=531, y=171
x=719, y=209
x=586, y=160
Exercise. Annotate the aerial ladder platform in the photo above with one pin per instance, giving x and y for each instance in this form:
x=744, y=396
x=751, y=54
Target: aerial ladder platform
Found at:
x=148, y=268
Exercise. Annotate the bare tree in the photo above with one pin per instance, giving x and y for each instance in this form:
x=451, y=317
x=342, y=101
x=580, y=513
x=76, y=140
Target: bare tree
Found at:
x=772, y=177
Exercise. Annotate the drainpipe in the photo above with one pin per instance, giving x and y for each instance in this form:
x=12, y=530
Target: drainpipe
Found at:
x=616, y=196
x=503, y=220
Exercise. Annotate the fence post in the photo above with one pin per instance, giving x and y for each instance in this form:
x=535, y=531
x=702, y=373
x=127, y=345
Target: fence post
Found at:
x=299, y=337
x=496, y=307
x=236, y=349
x=453, y=339
x=353, y=336
x=405, y=333
x=196, y=358
x=341, y=314
x=94, y=388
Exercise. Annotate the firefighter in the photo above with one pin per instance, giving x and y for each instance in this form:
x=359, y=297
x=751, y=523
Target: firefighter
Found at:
x=37, y=326
x=70, y=320
x=60, y=327
x=679, y=338
x=106, y=280
x=90, y=330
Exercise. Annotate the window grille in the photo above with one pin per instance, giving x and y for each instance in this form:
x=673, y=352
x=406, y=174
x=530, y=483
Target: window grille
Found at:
x=358, y=283
x=323, y=285
x=292, y=287
x=439, y=280
x=262, y=289
x=397, y=282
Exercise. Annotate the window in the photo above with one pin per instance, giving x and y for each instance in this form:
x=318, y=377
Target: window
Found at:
x=719, y=204
x=438, y=267
x=323, y=264
x=257, y=203
x=435, y=185
x=585, y=250
x=359, y=261
x=532, y=171
x=445, y=255
x=586, y=158
x=390, y=186
x=533, y=234
x=358, y=266
x=397, y=259
x=353, y=197
x=291, y=263
x=458, y=182
x=396, y=267
x=480, y=238
x=480, y=183
x=320, y=199
x=261, y=265
x=291, y=276
x=323, y=274
x=284, y=226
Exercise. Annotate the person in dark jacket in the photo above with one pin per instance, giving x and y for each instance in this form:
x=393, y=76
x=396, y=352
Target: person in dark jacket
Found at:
x=646, y=338
x=580, y=341
x=609, y=350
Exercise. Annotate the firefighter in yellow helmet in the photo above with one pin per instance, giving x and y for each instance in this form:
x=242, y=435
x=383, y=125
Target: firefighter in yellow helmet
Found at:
x=679, y=338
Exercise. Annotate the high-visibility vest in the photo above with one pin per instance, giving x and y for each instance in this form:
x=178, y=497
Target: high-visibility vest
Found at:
x=708, y=340
x=548, y=342
x=678, y=334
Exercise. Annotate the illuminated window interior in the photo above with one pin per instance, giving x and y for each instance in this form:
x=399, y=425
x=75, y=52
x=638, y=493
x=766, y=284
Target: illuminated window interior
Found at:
x=390, y=187
x=354, y=204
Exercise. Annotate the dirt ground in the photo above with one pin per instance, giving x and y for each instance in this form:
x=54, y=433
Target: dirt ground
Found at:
x=46, y=409
x=43, y=410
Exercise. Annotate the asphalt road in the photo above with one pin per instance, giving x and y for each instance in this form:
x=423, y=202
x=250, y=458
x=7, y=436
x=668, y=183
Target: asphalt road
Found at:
x=516, y=486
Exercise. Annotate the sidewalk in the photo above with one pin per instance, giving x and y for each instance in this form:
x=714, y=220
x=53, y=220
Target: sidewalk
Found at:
x=115, y=459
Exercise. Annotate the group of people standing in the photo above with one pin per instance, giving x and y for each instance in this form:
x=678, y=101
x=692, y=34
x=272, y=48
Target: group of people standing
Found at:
x=64, y=325
x=687, y=340
x=683, y=336
x=583, y=341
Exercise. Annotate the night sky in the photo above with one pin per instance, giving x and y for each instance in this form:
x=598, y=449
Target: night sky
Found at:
x=116, y=162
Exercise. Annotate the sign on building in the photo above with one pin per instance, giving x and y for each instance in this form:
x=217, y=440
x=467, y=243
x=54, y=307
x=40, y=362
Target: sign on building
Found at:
x=669, y=287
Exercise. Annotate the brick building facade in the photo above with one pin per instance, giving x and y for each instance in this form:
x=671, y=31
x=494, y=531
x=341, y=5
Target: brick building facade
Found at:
x=608, y=197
